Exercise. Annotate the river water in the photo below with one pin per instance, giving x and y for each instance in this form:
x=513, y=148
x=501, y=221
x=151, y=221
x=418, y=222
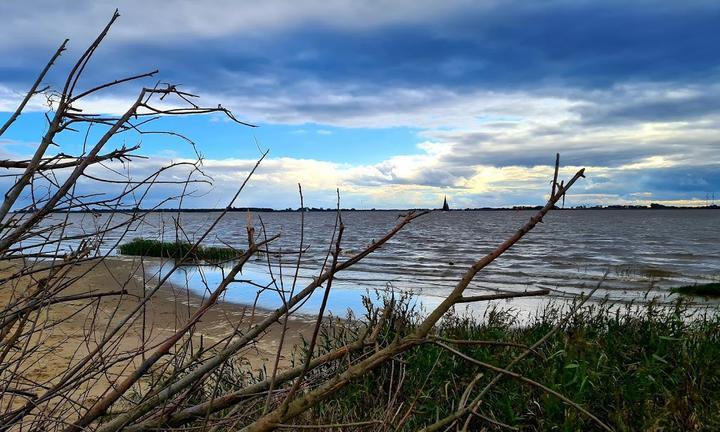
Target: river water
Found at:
x=643, y=252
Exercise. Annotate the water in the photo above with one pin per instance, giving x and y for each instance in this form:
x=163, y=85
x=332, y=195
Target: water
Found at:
x=644, y=252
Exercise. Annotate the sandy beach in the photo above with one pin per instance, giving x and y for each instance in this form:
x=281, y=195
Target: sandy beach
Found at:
x=71, y=329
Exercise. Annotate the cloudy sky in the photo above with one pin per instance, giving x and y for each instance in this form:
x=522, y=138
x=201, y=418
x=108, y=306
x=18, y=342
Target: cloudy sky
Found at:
x=399, y=103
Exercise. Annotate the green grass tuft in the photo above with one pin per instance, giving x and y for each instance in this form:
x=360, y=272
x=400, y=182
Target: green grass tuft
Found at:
x=706, y=290
x=177, y=250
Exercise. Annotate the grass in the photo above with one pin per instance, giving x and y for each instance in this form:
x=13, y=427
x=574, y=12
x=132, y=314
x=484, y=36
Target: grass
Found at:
x=649, y=367
x=177, y=250
x=635, y=367
x=706, y=290
x=630, y=270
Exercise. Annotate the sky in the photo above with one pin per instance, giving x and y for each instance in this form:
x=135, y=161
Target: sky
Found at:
x=398, y=103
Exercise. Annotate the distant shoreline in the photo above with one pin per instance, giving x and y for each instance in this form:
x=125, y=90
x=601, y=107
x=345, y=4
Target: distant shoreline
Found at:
x=323, y=210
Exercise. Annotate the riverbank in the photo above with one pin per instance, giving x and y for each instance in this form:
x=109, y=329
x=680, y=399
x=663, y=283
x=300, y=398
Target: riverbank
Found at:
x=636, y=367
x=73, y=328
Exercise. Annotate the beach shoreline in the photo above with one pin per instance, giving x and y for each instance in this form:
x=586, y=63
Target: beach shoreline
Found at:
x=73, y=328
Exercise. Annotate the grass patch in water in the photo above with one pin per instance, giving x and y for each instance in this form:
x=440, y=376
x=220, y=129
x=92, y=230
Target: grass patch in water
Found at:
x=629, y=270
x=177, y=250
x=706, y=290
x=657, y=273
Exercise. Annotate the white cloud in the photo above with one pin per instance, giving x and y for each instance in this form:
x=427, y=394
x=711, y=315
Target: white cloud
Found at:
x=482, y=148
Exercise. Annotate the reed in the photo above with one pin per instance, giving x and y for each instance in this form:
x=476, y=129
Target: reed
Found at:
x=647, y=367
x=704, y=290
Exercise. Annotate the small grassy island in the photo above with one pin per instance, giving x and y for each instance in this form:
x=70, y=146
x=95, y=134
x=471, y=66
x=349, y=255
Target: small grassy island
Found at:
x=178, y=250
x=705, y=290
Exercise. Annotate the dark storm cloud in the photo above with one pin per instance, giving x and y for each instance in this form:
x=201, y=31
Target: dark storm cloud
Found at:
x=696, y=179
x=623, y=107
x=516, y=45
x=655, y=184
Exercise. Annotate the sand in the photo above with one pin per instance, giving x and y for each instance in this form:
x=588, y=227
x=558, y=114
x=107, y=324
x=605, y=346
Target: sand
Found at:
x=79, y=324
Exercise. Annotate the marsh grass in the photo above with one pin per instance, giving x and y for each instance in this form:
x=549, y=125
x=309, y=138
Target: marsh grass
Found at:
x=647, y=367
x=630, y=270
x=705, y=290
x=177, y=250
x=636, y=367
